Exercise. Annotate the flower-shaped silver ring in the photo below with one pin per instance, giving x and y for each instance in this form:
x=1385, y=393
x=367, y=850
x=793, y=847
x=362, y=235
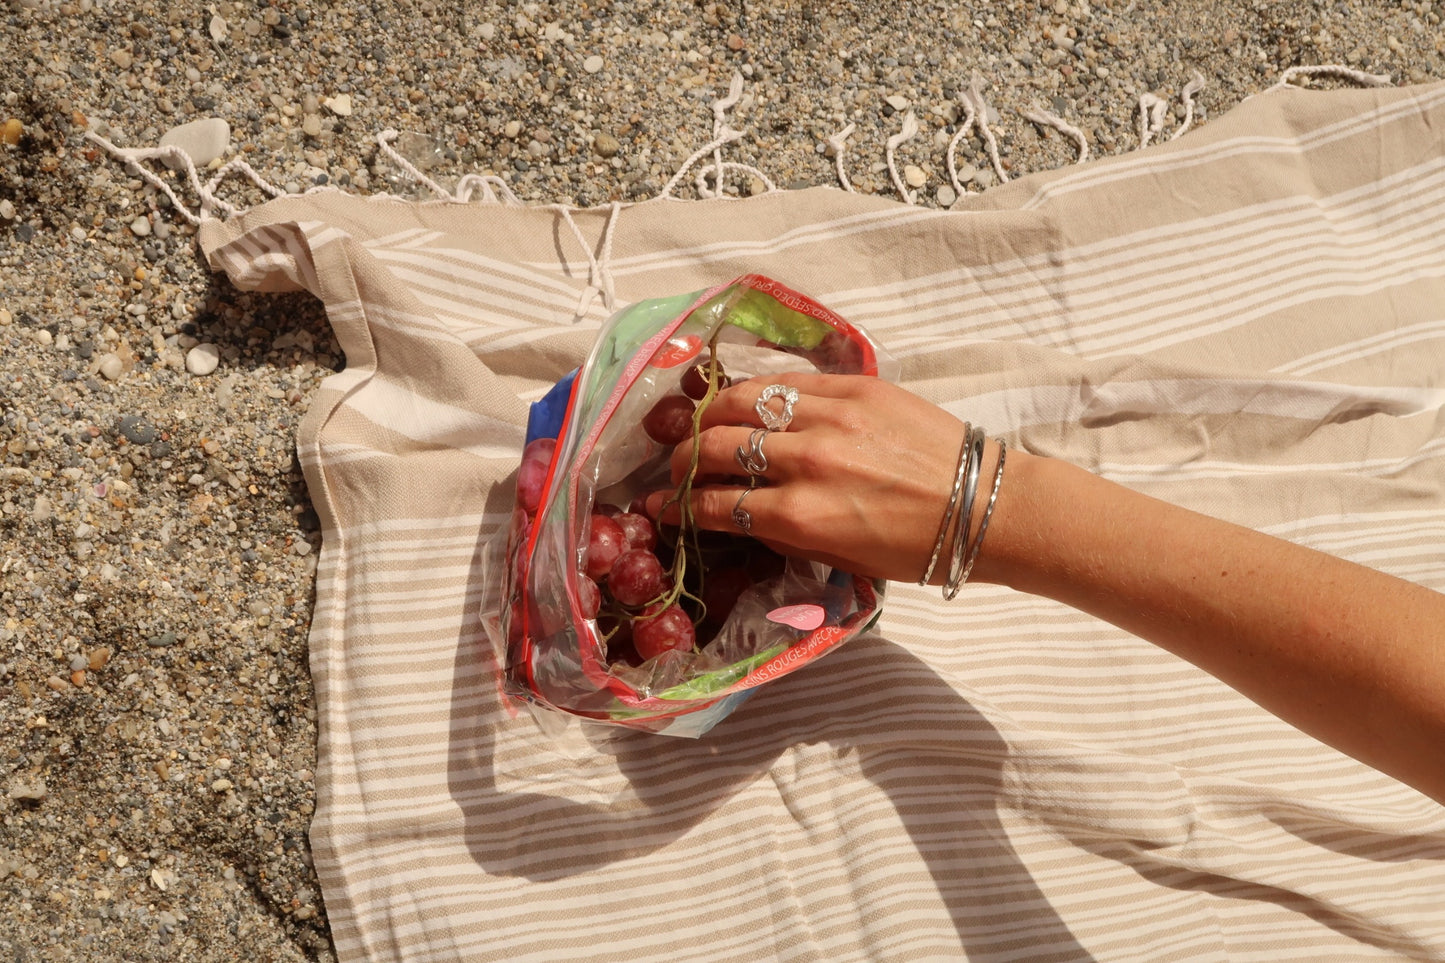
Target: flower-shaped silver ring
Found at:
x=776, y=421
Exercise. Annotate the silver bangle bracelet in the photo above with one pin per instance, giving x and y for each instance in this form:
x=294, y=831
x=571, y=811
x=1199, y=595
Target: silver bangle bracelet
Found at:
x=987, y=513
x=952, y=504
x=976, y=442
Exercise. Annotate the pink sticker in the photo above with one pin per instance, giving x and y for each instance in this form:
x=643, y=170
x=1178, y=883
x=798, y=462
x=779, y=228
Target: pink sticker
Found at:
x=805, y=617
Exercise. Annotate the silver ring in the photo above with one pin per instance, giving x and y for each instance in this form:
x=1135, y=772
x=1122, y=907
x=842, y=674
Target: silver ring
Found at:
x=752, y=459
x=781, y=420
x=741, y=518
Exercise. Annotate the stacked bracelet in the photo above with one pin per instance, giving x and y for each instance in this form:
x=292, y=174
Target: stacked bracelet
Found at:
x=976, y=442
x=963, y=450
x=952, y=588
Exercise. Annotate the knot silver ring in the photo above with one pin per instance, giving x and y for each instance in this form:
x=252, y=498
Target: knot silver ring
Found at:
x=741, y=518
x=752, y=458
x=776, y=421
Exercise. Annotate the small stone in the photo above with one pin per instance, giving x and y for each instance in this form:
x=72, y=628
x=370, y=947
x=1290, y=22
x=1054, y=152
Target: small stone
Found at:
x=340, y=105
x=966, y=172
x=593, y=64
x=897, y=102
x=606, y=145
x=136, y=430
x=914, y=176
x=203, y=359
x=7, y=209
x=984, y=179
x=141, y=226
x=218, y=29
x=487, y=31
x=735, y=42
x=122, y=59
x=513, y=128
x=946, y=196
x=78, y=662
x=201, y=140
x=28, y=791
x=163, y=641
x=98, y=659
x=11, y=132
x=41, y=510
x=111, y=367
x=311, y=125
x=5, y=317
x=222, y=785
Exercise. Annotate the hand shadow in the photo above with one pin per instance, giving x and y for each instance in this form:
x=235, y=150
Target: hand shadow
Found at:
x=594, y=796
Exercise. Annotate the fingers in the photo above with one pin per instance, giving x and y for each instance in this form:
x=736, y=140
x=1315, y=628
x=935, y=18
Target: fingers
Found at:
x=737, y=405
x=713, y=508
x=771, y=454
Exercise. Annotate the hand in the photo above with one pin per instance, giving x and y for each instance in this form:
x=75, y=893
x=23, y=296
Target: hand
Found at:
x=859, y=480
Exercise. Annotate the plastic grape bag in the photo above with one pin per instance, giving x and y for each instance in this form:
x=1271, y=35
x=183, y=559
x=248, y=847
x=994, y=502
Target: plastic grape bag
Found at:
x=575, y=627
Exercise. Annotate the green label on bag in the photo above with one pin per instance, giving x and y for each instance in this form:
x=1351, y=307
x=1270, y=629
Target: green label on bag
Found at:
x=719, y=679
x=760, y=314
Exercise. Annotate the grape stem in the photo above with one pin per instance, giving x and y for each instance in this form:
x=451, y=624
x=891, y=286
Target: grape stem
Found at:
x=687, y=528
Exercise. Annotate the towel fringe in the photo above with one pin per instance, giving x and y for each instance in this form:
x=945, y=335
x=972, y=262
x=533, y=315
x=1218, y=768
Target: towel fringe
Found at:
x=710, y=181
x=909, y=131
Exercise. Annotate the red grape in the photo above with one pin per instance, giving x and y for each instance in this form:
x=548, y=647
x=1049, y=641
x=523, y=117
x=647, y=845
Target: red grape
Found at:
x=637, y=577
x=589, y=598
x=662, y=630
x=536, y=460
x=669, y=421
x=694, y=380
x=639, y=531
x=605, y=542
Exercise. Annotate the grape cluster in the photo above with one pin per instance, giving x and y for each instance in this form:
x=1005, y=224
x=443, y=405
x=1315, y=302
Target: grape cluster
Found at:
x=652, y=592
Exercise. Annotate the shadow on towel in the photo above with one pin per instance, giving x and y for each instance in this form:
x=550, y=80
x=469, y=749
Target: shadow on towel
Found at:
x=548, y=809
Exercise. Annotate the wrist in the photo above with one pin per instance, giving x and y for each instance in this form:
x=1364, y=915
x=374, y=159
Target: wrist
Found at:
x=1013, y=552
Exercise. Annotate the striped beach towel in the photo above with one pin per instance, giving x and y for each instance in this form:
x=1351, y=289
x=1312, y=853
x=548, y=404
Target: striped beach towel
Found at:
x=1248, y=321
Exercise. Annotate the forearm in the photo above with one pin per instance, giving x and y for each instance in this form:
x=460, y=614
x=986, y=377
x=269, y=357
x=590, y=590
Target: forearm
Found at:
x=1350, y=655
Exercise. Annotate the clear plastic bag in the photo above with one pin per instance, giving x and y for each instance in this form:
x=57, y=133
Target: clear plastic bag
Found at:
x=564, y=640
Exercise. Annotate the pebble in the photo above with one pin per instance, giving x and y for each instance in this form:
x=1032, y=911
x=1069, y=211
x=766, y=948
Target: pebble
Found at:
x=914, y=176
x=111, y=367
x=592, y=64
x=222, y=785
x=29, y=791
x=311, y=125
x=7, y=209
x=985, y=178
x=203, y=359
x=965, y=171
x=512, y=129
x=340, y=105
x=946, y=196
x=11, y=132
x=141, y=226
x=606, y=145
x=897, y=102
x=137, y=430
x=202, y=140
